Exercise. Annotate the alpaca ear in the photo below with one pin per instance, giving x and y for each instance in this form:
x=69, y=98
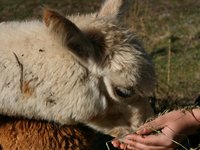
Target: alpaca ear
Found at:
x=71, y=36
x=115, y=9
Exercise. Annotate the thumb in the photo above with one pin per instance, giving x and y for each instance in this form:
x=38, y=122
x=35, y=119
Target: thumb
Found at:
x=150, y=127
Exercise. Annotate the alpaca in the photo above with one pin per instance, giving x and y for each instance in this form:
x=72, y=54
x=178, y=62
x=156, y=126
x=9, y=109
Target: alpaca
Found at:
x=86, y=69
x=23, y=134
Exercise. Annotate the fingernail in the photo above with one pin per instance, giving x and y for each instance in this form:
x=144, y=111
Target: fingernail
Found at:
x=114, y=144
x=140, y=131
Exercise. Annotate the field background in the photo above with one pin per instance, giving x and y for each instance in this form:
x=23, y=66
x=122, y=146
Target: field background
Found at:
x=169, y=29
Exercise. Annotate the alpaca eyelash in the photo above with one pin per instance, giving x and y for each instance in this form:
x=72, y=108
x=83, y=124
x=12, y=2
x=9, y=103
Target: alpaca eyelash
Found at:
x=124, y=92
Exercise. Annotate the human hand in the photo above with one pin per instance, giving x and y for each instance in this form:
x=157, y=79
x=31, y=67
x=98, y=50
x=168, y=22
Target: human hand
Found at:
x=173, y=127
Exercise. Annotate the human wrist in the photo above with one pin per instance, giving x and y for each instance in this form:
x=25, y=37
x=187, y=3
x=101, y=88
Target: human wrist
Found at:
x=196, y=116
x=193, y=119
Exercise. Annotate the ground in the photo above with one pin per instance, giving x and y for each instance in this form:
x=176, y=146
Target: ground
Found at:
x=169, y=30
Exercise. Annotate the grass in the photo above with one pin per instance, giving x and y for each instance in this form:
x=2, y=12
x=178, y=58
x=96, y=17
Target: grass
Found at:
x=162, y=25
x=23, y=9
x=173, y=25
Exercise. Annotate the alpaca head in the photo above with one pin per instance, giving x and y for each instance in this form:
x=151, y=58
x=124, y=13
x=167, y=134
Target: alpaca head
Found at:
x=111, y=53
x=107, y=49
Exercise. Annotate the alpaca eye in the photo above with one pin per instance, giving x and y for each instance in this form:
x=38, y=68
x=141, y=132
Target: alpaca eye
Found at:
x=124, y=92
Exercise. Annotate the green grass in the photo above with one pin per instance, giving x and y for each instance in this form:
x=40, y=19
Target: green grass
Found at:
x=163, y=26
x=21, y=9
x=172, y=26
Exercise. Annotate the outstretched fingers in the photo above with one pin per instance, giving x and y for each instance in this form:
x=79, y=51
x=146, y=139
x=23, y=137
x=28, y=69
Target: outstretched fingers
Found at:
x=119, y=144
x=153, y=126
x=141, y=146
x=150, y=140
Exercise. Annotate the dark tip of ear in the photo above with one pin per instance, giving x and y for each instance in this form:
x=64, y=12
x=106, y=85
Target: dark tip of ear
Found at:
x=50, y=15
x=47, y=14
